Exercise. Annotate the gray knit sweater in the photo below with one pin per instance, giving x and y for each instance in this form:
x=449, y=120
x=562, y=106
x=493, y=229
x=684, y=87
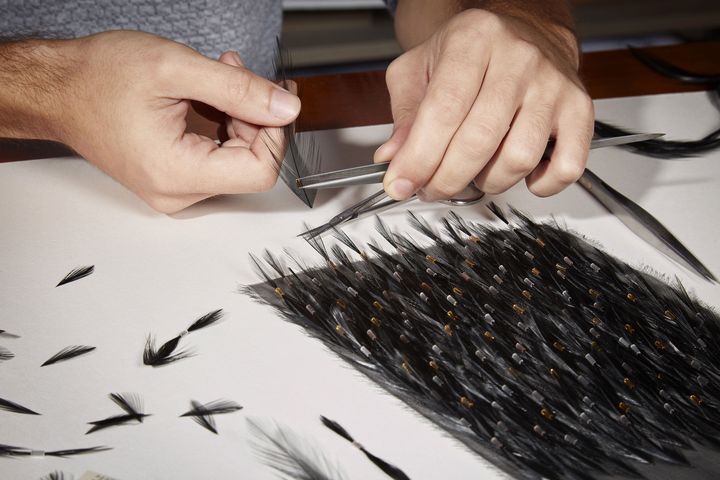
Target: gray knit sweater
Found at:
x=209, y=26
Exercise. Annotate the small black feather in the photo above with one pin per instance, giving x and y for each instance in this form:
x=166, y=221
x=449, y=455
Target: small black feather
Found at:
x=206, y=320
x=6, y=334
x=77, y=451
x=216, y=407
x=130, y=403
x=291, y=456
x=203, y=414
x=56, y=475
x=67, y=353
x=389, y=469
x=13, y=407
x=77, y=274
x=5, y=354
x=13, y=451
x=164, y=355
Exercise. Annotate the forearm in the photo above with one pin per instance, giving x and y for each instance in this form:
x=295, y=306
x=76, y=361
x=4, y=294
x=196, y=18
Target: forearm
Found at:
x=417, y=20
x=34, y=75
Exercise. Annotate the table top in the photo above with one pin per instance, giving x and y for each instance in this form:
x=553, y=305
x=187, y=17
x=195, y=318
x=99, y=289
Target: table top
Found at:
x=156, y=273
x=362, y=99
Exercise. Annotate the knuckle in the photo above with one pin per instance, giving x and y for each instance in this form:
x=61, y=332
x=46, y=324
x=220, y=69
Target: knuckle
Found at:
x=393, y=72
x=238, y=87
x=164, y=204
x=442, y=189
x=569, y=172
x=520, y=159
x=448, y=105
x=476, y=147
x=490, y=187
x=266, y=180
x=538, y=191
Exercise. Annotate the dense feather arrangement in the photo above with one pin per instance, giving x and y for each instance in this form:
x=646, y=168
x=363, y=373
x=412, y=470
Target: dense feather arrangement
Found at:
x=533, y=347
x=301, y=156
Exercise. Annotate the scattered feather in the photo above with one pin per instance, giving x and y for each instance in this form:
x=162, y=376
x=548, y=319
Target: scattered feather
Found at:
x=5, y=354
x=13, y=407
x=6, y=334
x=291, y=456
x=390, y=470
x=13, y=451
x=77, y=274
x=67, y=353
x=130, y=403
x=166, y=353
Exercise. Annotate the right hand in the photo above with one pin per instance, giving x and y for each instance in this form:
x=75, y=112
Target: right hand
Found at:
x=124, y=110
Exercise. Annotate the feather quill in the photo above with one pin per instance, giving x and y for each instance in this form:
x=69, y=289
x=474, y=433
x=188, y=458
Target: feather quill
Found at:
x=13, y=407
x=67, y=353
x=76, y=274
x=289, y=455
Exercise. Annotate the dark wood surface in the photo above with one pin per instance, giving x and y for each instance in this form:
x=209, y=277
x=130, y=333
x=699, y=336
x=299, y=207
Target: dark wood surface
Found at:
x=357, y=99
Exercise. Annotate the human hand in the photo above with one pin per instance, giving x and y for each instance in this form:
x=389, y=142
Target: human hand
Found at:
x=126, y=108
x=477, y=102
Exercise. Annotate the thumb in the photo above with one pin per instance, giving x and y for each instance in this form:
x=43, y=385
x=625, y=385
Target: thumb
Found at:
x=235, y=90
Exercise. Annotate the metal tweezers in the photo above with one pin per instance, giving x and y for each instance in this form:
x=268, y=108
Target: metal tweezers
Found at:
x=637, y=219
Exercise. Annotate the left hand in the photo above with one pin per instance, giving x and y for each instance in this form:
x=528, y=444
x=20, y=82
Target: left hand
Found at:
x=478, y=101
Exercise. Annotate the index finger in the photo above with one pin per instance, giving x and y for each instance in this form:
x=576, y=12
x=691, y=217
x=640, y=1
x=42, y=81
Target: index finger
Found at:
x=447, y=101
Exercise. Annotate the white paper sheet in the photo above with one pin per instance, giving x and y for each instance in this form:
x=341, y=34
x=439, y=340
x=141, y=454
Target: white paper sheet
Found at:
x=156, y=274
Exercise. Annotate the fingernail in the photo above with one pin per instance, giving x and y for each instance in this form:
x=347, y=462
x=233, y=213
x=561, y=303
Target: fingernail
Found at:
x=236, y=57
x=284, y=104
x=401, y=188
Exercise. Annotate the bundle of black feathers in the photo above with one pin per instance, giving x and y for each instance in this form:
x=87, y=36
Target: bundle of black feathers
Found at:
x=530, y=345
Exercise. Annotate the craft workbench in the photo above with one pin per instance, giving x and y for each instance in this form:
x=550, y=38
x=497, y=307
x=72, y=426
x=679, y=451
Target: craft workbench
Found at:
x=156, y=274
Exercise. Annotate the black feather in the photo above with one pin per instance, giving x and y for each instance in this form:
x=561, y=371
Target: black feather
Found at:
x=529, y=344
x=56, y=475
x=13, y=407
x=5, y=354
x=206, y=320
x=130, y=403
x=302, y=155
x=164, y=355
x=6, y=334
x=216, y=407
x=203, y=414
x=67, y=353
x=13, y=451
x=291, y=456
x=77, y=274
x=390, y=470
